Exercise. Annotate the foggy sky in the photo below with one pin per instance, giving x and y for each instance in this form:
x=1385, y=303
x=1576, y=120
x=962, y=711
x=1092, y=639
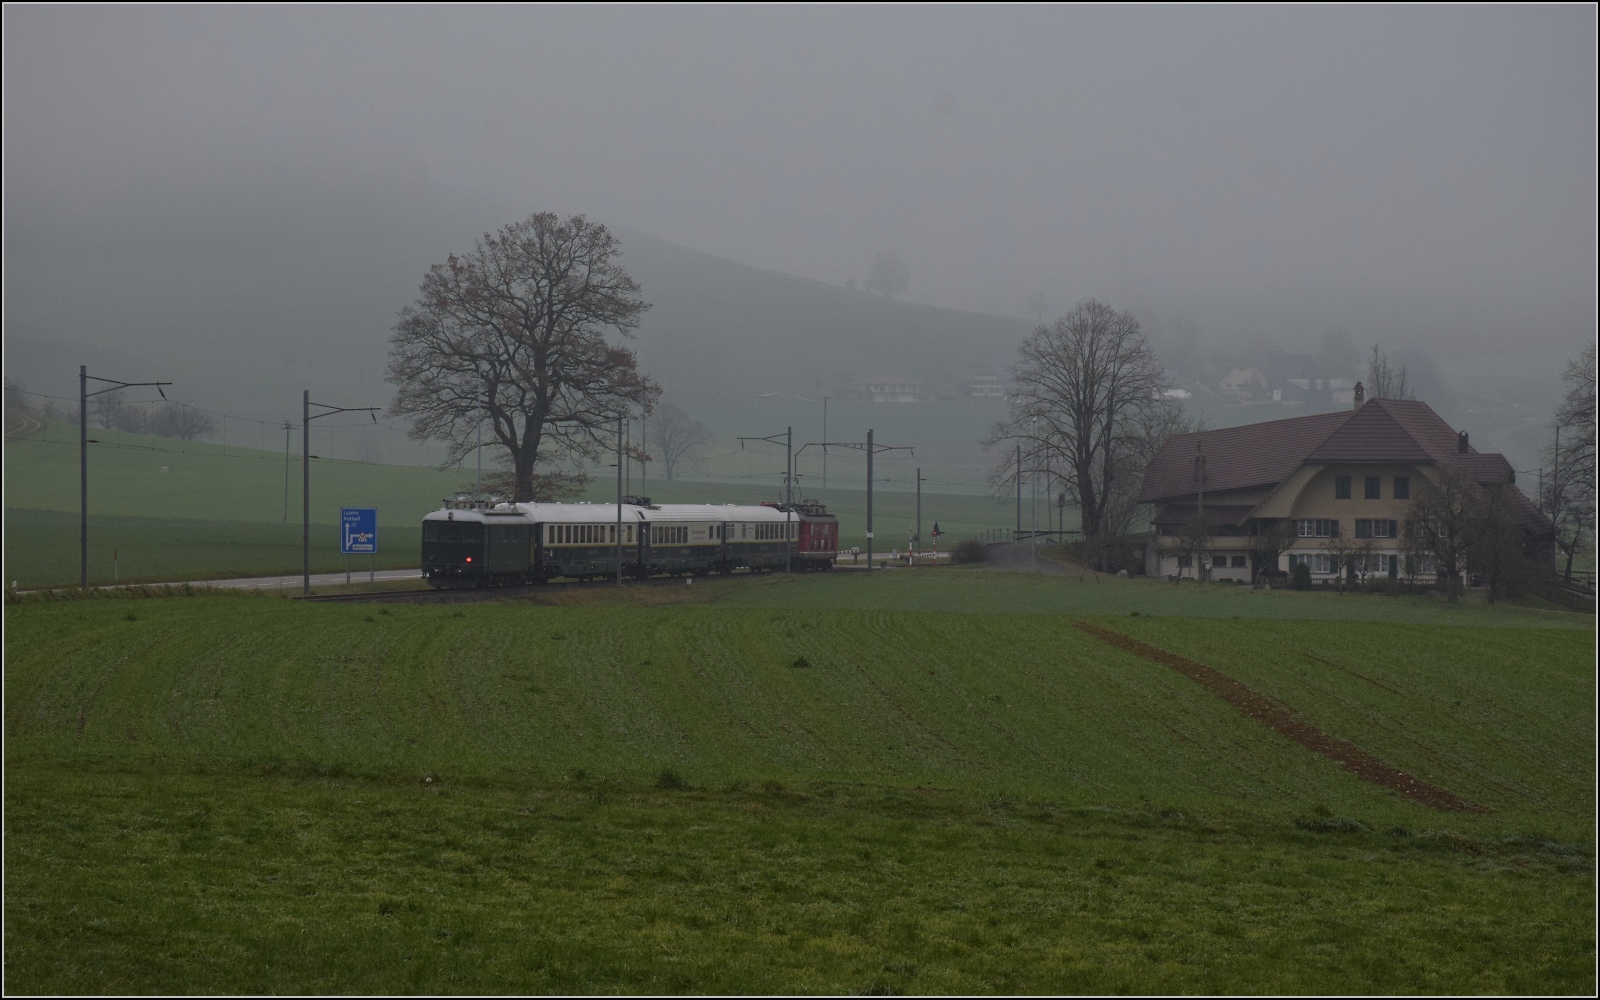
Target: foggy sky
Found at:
x=1422, y=171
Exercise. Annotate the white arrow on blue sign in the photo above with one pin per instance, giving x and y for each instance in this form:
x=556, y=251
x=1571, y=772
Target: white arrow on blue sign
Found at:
x=358, y=531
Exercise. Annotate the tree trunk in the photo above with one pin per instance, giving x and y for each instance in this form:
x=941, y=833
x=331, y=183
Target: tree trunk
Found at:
x=525, y=457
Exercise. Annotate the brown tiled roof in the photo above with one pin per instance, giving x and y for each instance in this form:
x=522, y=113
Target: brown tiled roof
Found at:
x=1529, y=516
x=1223, y=513
x=1237, y=457
x=1265, y=454
x=1374, y=434
x=1493, y=469
x=1390, y=430
x=1482, y=468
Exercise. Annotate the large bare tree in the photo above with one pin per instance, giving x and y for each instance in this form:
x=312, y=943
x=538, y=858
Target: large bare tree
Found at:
x=1439, y=526
x=1464, y=526
x=1086, y=391
x=675, y=435
x=513, y=335
x=183, y=422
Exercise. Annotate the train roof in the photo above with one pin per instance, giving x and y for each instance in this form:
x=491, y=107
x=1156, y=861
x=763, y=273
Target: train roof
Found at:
x=716, y=512
x=606, y=513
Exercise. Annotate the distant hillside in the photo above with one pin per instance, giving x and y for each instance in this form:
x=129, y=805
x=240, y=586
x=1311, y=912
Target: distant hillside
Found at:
x=244, y=304
x=727, y=331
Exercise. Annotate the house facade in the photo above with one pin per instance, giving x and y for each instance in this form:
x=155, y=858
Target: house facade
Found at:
x=890, y=389
x=1342, y=482
x=986, y=387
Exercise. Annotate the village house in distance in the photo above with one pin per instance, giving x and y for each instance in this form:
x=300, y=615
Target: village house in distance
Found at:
x=1349, y=474
x=890, y=389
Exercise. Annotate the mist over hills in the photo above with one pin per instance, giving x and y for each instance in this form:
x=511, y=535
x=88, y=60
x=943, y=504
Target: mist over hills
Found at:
x=242, y=302
x=243, y=294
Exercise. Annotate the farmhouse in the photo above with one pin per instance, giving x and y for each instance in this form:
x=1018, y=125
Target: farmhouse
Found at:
x=1342, y=480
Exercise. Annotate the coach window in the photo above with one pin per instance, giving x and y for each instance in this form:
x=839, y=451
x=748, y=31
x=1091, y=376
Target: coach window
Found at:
x=1341, y=487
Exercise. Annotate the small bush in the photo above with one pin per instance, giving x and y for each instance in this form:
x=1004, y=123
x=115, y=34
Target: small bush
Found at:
x=1301, y=576
x=969, y=551
x=1384, y=586
x=670, y=781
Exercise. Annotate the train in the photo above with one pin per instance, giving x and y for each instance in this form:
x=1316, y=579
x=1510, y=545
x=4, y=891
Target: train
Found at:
x=467, y=544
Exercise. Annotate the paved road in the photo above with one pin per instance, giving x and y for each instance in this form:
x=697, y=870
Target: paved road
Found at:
x=276, y=582
x=317, y=580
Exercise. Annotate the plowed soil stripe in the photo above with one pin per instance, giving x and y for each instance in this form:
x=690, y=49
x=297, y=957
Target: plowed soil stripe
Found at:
x=1263, y=710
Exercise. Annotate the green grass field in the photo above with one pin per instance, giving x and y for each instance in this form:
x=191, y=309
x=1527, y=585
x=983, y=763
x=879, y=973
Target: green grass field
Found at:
x=168, y=510
x=845, y=784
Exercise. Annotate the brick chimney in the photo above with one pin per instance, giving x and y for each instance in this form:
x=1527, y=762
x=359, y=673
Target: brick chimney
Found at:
x=1461, y=443
x=1361, y=396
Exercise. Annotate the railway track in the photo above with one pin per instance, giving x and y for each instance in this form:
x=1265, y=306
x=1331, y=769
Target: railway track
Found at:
x=468, y=595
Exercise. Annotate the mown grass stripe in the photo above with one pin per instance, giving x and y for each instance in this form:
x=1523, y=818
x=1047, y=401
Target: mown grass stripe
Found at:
x=1246, y=700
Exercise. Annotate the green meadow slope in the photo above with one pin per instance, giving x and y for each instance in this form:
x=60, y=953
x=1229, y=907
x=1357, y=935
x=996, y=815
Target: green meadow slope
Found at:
x=678, y=789
x=168, y=510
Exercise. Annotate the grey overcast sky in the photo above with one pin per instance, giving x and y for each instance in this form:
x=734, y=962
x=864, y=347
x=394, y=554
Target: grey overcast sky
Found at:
x=1271, y=168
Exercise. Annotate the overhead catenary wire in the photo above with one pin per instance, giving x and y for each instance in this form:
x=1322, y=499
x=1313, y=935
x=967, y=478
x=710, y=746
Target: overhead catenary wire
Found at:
x=228, y=450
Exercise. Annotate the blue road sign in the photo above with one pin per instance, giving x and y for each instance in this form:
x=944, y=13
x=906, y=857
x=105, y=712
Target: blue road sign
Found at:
x=358, y=531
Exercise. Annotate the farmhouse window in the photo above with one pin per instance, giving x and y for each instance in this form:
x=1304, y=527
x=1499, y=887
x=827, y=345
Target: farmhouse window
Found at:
x=1317, y=528
x=1374, y=488
x=1341, y=487
x=1316, y=562
x=1421, y=565
x=1372, y=565
x=1402, y=487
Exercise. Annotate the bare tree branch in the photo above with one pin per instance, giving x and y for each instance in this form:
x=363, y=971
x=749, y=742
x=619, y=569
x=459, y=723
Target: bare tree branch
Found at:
x=675, y=435
x=1385, y=381
x=512, y=336
x=1086, y=400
